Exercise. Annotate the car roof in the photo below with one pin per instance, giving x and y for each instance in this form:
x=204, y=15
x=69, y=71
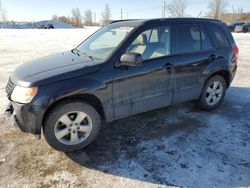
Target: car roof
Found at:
x=138, y=22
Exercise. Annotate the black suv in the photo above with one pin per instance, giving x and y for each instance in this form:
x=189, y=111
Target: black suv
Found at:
x=243, y=28
x=125, y=68
x=234, y=25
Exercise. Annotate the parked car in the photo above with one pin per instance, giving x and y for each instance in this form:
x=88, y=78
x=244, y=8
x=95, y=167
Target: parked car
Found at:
x=42, y=27
x=125, y=68
x=232, y=26
x=49, y=26
x=243, y=28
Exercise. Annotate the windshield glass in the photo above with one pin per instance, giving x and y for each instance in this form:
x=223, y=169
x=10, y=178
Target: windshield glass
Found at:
x=104, y=42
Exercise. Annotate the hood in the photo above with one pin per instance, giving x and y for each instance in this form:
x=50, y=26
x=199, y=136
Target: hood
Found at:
x=53, y=68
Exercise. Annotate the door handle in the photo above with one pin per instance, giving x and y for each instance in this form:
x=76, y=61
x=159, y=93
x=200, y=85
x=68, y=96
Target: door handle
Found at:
x=212, y=57
x=168, y=66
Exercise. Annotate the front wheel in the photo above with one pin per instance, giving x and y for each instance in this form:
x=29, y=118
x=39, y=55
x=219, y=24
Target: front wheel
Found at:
x=71, y=126
x=213, y=93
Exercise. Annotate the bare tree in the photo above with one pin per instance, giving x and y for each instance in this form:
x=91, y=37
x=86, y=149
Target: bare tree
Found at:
x=237, y=15
x=4, y=15
x=88, y=17
x=65, y=19
x=76, y=17
x=55, y=17
x=1, y=10
x=106, y=15
x=217, y=8
x=240, y=14
x=176, y=8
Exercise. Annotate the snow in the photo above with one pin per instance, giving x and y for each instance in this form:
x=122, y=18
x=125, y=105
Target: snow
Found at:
x=179, y=145
x=56, y=24
x=15, y=25
x=22, y=45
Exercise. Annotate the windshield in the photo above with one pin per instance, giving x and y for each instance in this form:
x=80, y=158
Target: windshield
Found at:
x=104, y=42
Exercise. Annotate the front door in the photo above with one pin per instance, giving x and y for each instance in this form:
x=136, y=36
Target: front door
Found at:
x=147, y=86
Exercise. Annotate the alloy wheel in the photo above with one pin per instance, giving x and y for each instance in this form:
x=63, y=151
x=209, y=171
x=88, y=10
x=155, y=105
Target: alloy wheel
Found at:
x=214, y=93
x=73, y=128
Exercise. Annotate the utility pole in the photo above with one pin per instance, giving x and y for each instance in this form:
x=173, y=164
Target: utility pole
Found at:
x=121, y=13
x=233, y=16
x=95, y=18
x=164, y=9
x=127, y=15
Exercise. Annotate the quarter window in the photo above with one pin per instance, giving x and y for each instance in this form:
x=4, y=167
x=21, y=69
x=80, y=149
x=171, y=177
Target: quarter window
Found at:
x=154, y=36
x=219, y=37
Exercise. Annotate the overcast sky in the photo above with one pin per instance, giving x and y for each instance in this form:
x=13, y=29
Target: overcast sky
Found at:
x=35, y=10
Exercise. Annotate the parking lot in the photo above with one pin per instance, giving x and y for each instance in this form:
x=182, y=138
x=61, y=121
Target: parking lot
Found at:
x=175, y=146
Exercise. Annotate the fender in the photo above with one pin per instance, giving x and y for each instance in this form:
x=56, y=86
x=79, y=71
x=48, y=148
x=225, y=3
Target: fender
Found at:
x=51, y=94
x=220, y=65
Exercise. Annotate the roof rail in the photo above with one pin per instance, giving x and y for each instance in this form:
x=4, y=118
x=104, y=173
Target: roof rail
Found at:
x=163, y=19
x=114, y=21
x=186, y=18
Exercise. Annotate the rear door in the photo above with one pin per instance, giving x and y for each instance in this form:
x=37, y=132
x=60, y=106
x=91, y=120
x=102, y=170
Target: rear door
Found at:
x=193, y=52
x=225, y=46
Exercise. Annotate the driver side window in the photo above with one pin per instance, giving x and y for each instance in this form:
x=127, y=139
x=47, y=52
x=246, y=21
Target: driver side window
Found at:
x=152, y=43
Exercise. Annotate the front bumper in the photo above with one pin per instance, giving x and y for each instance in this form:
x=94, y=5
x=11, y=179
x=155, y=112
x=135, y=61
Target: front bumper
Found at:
x=26, y=117
x=238, y=30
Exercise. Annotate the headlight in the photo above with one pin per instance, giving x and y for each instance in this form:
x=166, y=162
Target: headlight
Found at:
x=23, y=95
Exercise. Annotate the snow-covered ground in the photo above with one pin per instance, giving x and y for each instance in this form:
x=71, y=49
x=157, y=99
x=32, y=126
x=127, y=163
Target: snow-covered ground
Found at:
x=25, y=25
x=179, y=145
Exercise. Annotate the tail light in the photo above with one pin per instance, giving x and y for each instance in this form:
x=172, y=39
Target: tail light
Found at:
x=236, y=52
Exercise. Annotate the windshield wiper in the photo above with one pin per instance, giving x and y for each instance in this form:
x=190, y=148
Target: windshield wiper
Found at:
x=89, y=56
x=76, y=51
x=79, y=53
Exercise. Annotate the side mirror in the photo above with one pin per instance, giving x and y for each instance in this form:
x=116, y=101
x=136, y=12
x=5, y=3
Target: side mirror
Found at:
x=131, y=59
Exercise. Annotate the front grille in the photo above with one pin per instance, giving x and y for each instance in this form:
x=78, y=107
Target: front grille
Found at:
x=10, y=86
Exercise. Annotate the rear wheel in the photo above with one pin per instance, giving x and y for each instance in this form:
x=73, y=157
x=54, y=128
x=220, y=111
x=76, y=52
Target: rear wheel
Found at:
x=213, y=93
x=72, y=126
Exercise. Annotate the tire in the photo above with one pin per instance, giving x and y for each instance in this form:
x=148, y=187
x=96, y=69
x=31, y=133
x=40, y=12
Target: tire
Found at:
x=212, y=97
x=71, y=126
x=245, y=30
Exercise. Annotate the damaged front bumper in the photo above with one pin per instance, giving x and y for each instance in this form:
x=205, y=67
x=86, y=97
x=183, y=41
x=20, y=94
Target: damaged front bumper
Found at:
x=10, y=114
x=9, y=110
x=23, y=117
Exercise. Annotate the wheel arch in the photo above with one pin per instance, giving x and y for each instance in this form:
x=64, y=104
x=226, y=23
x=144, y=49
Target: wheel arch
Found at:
x=224, y=73
x=88, y=98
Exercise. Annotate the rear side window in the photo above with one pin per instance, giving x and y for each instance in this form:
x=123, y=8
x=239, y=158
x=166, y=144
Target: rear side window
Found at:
x=188, y=38
x=220, y=39
x=191, y=38
x=205, y=40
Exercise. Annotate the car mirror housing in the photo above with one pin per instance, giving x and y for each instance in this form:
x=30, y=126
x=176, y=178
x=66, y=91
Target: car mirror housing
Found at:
x=131, y=59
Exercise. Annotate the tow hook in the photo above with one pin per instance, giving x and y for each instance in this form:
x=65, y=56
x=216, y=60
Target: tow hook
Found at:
x=9, y=110
x=38, y=136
